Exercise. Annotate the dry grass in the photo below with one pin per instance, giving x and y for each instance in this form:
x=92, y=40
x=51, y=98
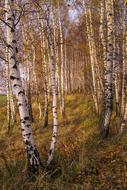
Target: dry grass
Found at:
x=84, y=161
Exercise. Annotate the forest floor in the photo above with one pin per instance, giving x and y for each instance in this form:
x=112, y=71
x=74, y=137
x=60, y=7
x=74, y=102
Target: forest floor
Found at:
x=84, y=161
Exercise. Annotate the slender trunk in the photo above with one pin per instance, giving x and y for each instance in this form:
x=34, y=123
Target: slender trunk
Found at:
x=12, y=105
x=92, y=57
x=116, y=79
x=108, y=93
x=62, y=64
x=30, y=101
x=54, y=94
x=102, y=30
x=65, y=62
x=124, y=66
x=8, y=95
x=124, y=83
x=45, y=73
x=32, y=153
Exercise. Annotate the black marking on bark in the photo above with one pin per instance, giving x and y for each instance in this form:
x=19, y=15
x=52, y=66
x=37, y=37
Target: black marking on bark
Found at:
x=16, y=49
x=28, y=134
x=9, y=18
x=31, y=148
x=12, y=29
x=14, y=66
x=23, y=121
x=13, y=13
x=14, y=41
x=13, y=78
x=50, y=151
x=26, y=118
x=27, y=142
x=21, y=92
x=28, y=125
x=9, y=46
x=12, y=57
x=16, y=85
x=110, y=14
x=35, y=162
x=17, y=62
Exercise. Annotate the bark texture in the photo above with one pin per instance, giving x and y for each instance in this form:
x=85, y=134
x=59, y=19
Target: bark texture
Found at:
x=108, y=93
x=32, y=153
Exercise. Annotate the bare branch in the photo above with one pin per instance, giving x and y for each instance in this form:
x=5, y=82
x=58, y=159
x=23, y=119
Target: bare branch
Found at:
x=3, y=59
x=5, y=22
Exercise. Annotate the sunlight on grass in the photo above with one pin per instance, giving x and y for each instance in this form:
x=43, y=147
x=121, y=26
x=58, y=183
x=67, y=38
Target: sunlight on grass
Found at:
x=81, y=157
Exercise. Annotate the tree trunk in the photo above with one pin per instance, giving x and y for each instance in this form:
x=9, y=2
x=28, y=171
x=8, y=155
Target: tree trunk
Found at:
x=32, y=153
x=54, y=93
x=8, y=93
x=93, y=59
x=45, y=74
x=62, y=64
x=108, y=93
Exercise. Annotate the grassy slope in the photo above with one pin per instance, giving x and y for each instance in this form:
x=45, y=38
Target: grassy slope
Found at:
x=86, y=162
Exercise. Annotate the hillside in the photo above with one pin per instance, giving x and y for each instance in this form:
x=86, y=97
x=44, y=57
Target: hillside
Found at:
x=83, y=160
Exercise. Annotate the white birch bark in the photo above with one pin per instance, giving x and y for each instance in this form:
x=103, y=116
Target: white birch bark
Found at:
x=62, y=64
x=99, y=83
x=124, y=69
x=65, y=66
x=124, y=66
x=102, y=30
x=115, y=71
x=32, y=153
x=92, y=58
x=12, y=105
x=108, y=93
x=54, y=93
x=45, y=73
x=8, y=93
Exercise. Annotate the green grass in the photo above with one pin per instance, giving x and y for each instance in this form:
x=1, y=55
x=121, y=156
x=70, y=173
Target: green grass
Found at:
x=83, y=160
x=2, y=100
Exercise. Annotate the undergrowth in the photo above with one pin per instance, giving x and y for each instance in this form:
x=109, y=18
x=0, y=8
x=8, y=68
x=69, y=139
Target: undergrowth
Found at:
x=83, y=160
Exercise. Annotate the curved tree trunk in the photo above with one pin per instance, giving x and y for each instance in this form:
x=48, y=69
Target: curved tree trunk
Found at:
x=32, y=153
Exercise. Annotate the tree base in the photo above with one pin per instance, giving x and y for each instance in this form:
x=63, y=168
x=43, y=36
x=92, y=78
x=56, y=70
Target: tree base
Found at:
x=104, y=132
x=34, y=164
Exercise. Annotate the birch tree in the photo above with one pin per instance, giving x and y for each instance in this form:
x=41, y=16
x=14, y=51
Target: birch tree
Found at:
x=62, y=62
x=52, y=61
x=32, y=153
x=108, y=93
x=8, y=93
x=124, y=69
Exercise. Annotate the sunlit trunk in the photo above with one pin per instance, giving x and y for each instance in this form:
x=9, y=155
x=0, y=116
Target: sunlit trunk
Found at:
x=32, y=153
